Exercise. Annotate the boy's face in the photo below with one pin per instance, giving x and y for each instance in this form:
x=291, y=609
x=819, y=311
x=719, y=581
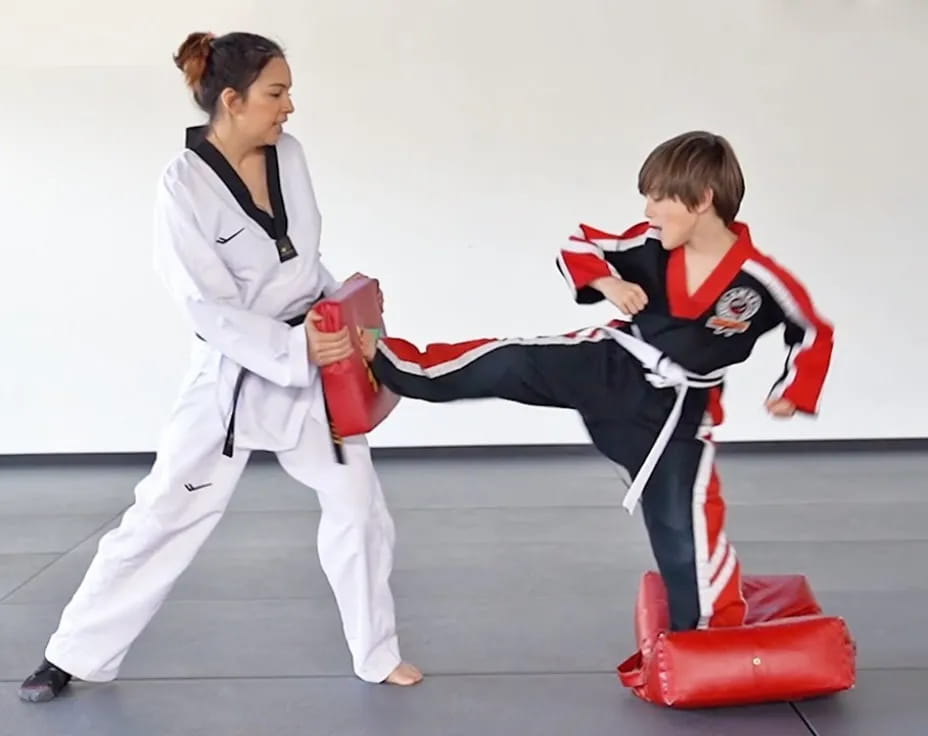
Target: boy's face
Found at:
x=674, y=219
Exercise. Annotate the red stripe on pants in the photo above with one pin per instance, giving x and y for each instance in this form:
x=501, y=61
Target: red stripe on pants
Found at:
x=435, y=354
x=718, y=571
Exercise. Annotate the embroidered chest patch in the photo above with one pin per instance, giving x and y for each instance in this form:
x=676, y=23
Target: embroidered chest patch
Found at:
x=733, y=311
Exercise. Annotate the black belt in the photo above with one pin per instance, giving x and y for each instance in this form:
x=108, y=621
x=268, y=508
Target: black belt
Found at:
x=228, y=445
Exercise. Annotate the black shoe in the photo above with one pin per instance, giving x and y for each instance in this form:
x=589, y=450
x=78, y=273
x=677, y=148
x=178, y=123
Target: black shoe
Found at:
x=44, y=684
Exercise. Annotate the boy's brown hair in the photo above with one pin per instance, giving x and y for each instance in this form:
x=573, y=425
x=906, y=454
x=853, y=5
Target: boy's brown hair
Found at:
x=687, y=165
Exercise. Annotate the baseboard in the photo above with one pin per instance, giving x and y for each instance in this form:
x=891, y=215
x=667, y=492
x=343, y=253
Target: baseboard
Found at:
x=876, y=444
x=882, y=445
x=788, y=447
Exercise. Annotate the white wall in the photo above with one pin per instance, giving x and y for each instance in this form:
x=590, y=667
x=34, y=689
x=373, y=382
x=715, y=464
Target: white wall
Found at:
x=477, y=133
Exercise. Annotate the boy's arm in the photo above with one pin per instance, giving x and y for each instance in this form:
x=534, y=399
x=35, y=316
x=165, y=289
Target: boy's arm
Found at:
x=809, y=337
x=592, y=254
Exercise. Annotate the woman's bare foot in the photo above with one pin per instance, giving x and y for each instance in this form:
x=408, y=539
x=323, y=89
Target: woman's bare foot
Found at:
x=404, y=675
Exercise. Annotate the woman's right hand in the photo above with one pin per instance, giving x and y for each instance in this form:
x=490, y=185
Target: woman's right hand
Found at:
x=325, y=348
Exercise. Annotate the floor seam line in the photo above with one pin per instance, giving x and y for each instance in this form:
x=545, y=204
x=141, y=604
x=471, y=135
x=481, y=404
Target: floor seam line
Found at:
x=802, y=717
x=61, y=556
x=345, y=676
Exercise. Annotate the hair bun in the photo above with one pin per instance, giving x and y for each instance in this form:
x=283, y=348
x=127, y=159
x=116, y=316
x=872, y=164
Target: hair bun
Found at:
x=192, y=56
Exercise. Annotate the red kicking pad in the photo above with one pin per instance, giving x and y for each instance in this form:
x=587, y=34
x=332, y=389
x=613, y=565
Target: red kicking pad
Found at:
x=786, y=650
x=356, y=401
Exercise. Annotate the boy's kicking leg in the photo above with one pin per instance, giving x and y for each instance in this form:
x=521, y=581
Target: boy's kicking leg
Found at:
x=577, y=370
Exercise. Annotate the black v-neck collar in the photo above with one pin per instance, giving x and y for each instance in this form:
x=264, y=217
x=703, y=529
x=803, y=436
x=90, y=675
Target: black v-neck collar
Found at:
x=275, y=226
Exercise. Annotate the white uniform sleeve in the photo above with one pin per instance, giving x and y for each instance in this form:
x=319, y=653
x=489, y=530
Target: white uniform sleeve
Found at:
x=329, y=283
x=205, y=289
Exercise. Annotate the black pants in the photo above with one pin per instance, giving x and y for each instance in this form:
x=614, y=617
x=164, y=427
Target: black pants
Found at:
x=593, y=375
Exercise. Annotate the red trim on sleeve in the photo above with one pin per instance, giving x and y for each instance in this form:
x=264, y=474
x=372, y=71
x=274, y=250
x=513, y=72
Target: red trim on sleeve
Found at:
x=586, y=261
x=810, y=358
x=635, y=231
x=584, y=268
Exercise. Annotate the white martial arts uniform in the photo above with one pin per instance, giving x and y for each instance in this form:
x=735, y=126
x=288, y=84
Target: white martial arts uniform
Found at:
x=239, y=281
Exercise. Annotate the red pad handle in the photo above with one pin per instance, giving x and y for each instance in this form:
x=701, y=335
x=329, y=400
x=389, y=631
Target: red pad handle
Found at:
x=631, y=671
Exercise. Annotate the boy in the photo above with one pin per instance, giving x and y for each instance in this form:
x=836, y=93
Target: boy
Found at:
x=698, y=295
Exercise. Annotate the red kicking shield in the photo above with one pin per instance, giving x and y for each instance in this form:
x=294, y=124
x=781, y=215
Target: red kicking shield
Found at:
x=356, y=402
x=787, y=649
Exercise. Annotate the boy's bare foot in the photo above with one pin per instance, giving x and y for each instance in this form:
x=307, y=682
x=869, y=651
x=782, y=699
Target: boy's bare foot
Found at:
x=404, y=675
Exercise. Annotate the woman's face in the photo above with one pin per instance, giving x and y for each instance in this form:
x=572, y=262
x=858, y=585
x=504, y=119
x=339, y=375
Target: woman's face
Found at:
x=261, y=114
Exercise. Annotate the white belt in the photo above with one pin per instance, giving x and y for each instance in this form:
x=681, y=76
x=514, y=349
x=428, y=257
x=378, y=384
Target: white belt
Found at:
x=661, y=373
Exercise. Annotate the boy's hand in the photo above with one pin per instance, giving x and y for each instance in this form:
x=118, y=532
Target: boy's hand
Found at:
x=781, y=407
x=628, y=297
x=368, y=339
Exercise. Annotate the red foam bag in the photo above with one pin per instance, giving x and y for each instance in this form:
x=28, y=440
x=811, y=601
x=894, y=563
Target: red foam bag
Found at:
x=356, y=401
x=786, y=650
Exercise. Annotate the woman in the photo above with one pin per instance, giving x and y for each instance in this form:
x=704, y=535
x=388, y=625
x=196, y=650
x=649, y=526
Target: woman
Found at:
x=237, y=242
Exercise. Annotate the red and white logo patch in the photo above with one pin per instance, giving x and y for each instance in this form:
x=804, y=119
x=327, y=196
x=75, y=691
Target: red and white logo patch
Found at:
x=733, y=311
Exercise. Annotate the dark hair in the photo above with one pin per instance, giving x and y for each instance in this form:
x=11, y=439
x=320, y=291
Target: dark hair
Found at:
x=211, y=64
x=687, y=165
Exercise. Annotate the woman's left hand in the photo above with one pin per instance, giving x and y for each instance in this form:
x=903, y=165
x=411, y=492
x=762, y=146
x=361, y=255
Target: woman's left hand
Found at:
x=358, y=275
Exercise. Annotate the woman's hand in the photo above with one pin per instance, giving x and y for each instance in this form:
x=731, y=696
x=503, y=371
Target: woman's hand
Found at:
x=324, y=348
x=358, y=275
